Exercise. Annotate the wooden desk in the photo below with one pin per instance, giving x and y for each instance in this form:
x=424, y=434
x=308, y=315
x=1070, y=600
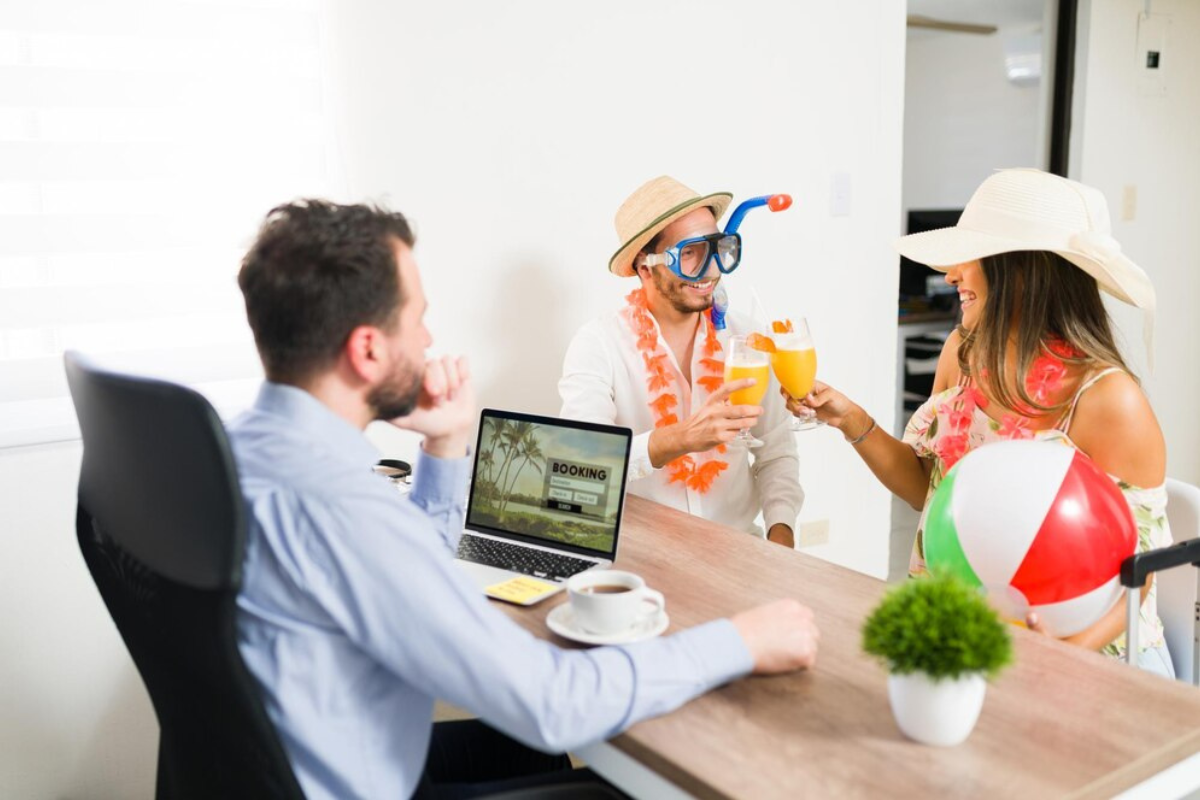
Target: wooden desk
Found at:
x=1060, y=722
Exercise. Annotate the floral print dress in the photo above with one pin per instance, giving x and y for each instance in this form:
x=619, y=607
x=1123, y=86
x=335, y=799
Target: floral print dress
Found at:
x=952, y=423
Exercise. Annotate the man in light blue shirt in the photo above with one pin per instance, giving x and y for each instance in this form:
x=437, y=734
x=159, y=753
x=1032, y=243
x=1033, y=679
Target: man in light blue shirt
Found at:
x=352, y=615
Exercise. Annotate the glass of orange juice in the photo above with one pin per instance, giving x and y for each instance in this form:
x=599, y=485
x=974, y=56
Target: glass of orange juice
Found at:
x=743, y=361
x=795, y=364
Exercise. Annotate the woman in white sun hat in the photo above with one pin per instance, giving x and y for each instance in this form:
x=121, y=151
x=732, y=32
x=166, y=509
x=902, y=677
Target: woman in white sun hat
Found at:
x=1034, y=358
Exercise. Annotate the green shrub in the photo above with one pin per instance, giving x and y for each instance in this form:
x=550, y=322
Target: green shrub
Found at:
x=940, y=626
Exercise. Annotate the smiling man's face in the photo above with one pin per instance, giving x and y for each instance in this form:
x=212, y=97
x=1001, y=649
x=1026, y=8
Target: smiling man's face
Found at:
x=685, y=296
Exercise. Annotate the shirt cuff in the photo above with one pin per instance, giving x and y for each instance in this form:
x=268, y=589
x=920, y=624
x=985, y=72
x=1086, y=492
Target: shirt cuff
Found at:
x=720, y=652
x=779, y=511
x=639, y=457
x=440, y=481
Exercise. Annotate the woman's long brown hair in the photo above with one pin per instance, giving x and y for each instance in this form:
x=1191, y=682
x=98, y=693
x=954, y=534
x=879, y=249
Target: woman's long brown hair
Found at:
x=1033, y=297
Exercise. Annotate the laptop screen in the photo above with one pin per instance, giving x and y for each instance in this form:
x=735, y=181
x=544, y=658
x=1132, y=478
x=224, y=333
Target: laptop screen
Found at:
x=549, y=481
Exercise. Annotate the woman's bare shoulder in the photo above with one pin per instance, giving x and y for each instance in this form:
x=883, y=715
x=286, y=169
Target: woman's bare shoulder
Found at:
x=1115, y=425
x=948, y=372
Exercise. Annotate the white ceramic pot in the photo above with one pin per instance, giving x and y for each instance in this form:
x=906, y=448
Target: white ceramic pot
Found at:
x=941, y=712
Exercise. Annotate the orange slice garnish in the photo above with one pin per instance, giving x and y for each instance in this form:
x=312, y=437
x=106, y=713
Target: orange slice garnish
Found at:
x=782, y=326
x=760, y=342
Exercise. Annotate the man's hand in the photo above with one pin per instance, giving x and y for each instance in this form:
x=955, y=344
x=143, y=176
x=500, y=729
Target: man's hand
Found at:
x=782, y=534
x=716, y=422
x=445, y=410
x=781, y=636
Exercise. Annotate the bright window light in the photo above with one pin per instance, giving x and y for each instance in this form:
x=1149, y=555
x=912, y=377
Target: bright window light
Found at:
x=141, y=144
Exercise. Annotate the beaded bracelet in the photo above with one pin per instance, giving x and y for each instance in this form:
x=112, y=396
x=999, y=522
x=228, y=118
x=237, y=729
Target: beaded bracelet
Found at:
x=864, y=435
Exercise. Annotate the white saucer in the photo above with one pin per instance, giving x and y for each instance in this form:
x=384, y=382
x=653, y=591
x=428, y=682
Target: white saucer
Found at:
x=562, y=621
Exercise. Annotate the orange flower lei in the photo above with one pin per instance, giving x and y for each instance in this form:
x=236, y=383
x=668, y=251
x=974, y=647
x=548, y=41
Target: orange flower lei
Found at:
x=697, y=474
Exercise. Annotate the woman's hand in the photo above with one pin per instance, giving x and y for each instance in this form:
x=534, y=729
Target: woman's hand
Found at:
x=1034, y=623
x=831, y=406
x=1098, y=634
x=892, y=461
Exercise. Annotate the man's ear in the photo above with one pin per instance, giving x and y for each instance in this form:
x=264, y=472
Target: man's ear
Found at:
x=639, y=266
x=366, y=352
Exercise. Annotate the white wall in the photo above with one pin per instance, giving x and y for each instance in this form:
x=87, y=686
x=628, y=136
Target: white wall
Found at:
x=511, y=139
x=75, y=720
x=1123, y=138
x=510, y=132
x=963, y=118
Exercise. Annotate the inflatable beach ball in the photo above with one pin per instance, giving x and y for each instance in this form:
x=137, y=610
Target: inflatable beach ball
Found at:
x=1038, y=526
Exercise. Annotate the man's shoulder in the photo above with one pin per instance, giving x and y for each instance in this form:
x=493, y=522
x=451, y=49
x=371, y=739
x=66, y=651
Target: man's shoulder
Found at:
x=287, y=461
x=603, y=333
x=603, y=325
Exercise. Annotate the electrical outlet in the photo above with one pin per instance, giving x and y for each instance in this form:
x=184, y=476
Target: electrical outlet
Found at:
x=1129, y=203
x=814, y=532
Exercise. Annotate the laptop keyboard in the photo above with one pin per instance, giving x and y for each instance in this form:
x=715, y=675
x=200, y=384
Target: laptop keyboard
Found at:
x=528, y=560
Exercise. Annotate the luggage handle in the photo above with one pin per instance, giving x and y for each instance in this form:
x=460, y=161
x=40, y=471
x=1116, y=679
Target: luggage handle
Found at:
x=1136, y=569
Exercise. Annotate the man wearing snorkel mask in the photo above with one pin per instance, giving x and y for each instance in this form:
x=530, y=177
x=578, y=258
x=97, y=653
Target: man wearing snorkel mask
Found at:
x=657, y=366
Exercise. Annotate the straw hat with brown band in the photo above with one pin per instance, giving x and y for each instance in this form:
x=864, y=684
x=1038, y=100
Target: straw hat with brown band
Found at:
x=652, y=207
x=1027, y=209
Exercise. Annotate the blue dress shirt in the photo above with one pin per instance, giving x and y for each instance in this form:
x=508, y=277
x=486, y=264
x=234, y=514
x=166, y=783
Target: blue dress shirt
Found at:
x=354, y=618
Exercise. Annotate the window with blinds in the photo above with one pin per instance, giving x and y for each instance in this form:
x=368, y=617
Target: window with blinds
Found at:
x=141, y=143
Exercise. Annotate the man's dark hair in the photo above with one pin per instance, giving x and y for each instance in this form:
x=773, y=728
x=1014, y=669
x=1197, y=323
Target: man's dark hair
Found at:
x=317, y=271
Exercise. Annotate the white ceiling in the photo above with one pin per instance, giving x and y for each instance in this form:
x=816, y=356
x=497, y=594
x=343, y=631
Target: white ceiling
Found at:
x=1001, y=13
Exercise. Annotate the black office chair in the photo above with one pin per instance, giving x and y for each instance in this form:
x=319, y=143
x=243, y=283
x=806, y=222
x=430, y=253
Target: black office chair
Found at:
x=162, y=528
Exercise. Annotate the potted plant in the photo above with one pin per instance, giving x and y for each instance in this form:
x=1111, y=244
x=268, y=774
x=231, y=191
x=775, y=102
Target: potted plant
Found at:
x=940, y=641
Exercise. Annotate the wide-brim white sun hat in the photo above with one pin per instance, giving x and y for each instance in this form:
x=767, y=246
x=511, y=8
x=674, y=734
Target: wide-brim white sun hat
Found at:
x=1028, y=209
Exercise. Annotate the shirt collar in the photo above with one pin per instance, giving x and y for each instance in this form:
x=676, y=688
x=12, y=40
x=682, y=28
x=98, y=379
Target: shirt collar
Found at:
x=308, y=414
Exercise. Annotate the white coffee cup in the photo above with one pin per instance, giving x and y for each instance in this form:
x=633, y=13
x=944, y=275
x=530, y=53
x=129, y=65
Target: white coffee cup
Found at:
x=606, y=601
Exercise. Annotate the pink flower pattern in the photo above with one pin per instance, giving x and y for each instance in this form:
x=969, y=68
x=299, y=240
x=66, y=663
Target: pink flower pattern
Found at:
x=954, y=413
x=958, y=417
x=1045, y=377
x=950, y=448
x=1014, y=426
x=973, y=397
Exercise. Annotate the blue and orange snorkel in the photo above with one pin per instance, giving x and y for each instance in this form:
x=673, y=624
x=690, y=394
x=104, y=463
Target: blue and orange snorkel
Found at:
x=775, y=202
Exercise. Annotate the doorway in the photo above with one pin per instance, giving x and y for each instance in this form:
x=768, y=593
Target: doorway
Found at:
x=987, y=86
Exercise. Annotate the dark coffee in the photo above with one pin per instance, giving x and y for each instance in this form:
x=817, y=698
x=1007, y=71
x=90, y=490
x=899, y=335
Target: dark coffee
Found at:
x=605, y=588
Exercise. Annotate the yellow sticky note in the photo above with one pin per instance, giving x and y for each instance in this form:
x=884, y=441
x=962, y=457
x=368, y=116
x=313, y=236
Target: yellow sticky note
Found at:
x=522, y=590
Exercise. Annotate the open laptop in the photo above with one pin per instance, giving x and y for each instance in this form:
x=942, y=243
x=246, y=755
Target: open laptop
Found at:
x=546, y=501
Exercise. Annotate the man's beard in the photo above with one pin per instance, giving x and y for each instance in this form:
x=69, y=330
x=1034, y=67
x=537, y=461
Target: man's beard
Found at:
x=673, y=291
x=397, y=396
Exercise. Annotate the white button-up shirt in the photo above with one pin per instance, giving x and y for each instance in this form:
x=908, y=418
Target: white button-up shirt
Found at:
x=604, y=380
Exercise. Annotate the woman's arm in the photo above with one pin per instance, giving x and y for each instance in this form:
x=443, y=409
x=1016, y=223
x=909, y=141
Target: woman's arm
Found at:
x=1100, y=633
x=893, y=462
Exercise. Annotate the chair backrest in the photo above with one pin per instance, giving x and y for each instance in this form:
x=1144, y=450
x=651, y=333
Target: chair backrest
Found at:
x=1177, y=588
x=161, y=524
